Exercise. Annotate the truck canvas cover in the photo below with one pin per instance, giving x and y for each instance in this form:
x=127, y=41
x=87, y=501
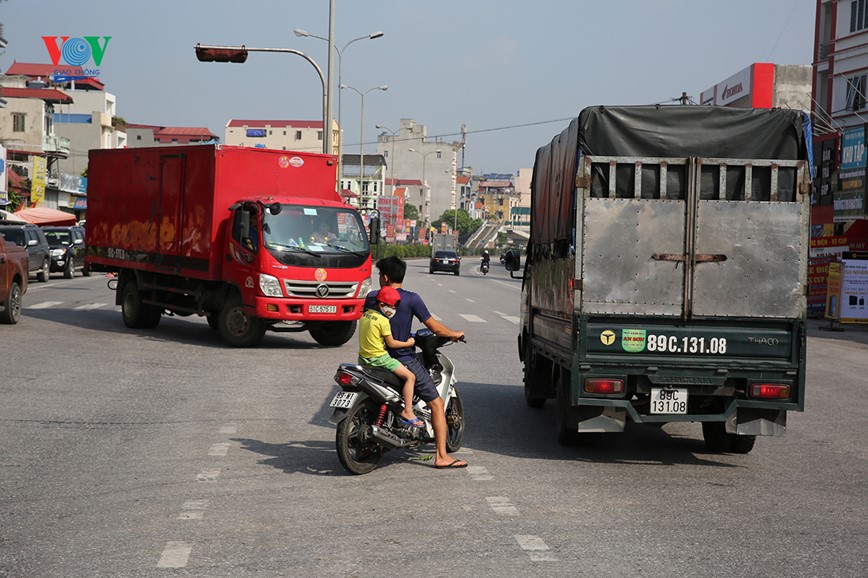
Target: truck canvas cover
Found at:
x=677, y=211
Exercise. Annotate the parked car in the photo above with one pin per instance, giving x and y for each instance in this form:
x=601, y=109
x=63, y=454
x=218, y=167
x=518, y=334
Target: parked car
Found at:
x=13, y=281
x=67, y=249
x=448, y=261
x=33, y=240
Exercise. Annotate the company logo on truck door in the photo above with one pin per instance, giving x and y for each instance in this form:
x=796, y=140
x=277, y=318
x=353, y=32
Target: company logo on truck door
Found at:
x=607, y=337
x=294, y=162
x=633, y=340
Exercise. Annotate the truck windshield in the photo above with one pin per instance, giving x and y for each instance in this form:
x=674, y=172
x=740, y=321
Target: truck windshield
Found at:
x=314, y=230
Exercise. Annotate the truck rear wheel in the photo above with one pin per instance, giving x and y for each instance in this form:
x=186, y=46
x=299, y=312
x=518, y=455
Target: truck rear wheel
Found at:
x=333, y=333
x=717, y=440
x=237, y=328
x=135, y=312
x=566, y=428
x=531, y=397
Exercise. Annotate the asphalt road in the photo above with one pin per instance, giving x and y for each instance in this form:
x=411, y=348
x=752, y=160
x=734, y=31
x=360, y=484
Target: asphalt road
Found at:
x=165, y=453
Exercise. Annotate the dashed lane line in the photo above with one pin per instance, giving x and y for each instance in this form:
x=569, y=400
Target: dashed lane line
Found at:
x=193, y=510
x=472, y=318
x=536, y=548
x=511, y=318
x=229, y=428
x=479, y=474
x=89, y=306
x=219, y=449
x=501, y=505
x=175, y=555
x=207, y=476
x=44, y=305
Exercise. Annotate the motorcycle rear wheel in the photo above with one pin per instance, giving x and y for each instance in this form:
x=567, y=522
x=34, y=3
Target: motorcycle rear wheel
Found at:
x=358, y=454
x=454, y=423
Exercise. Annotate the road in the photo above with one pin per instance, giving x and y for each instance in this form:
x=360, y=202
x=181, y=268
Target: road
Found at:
x=163, y=452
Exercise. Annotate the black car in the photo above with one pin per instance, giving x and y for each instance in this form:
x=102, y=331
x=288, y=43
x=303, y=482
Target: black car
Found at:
x=448, y=261
x=67, y=250
x=33, y=239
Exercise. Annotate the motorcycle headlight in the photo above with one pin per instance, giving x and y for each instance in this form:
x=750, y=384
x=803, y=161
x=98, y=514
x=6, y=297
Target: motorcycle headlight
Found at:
x=57, y=252
x=365, y=288
x=270, y=286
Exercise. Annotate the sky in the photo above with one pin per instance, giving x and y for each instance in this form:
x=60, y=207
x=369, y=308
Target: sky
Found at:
x=513, y=73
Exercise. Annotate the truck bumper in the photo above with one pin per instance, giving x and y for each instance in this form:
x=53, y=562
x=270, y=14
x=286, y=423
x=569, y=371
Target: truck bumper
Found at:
x=306, y=310
x=741, y=417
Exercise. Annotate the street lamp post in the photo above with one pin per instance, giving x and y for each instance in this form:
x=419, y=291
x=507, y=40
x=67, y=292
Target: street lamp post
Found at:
x=424, y=184
x=362, y=131
x=392, y=154
x=206, y=53
x=340, y=52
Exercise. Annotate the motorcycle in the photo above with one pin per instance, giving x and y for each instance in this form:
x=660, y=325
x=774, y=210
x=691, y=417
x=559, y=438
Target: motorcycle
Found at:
x=368, y=408
x=484, y=267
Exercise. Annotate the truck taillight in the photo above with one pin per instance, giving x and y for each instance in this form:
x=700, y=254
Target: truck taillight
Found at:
x=344, y=378
x=770, y=390
x=604, y=386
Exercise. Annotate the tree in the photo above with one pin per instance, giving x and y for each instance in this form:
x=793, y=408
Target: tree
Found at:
x=466, y=225
x=410, y=211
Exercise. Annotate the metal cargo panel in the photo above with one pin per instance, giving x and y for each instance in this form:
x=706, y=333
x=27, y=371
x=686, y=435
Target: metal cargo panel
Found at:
x=619, y=275
x=760, y=276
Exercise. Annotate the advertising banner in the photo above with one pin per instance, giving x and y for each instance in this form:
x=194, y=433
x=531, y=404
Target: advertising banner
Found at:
x=853, y=301
x=849, y=199
x=37, y=181
x=833, y=291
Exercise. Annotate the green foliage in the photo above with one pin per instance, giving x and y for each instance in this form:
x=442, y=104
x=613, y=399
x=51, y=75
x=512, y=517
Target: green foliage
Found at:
x=402, y=251
x=410, y=211
x=466, y=225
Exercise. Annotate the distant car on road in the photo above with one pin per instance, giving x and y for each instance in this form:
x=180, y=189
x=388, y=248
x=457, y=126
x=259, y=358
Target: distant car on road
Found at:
x=448, y=261
x=33, y=240
x=67, y=249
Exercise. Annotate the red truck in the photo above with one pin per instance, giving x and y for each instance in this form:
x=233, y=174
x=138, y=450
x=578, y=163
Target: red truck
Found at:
x=13, y=280
x=252, y=239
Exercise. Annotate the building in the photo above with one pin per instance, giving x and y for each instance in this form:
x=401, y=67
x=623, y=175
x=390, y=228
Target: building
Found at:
x=496, y=193
x=410, y=154
x=148, y=135
x=287, y=135
x=763, y=85
x=374, y=185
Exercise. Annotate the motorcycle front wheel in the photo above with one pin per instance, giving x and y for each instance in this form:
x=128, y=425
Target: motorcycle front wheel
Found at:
x=357, y=452
x=454, y=423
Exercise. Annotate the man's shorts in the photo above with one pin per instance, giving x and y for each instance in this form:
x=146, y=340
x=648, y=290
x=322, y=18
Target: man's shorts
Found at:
x=424, y=386
x=385, y=361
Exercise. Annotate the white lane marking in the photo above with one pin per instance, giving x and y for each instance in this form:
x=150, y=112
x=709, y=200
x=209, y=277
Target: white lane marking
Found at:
x=471, y=300
x=228, y=429
x=193, y=510
x=536, y=548
x=219, y=449
x=44, y=305
x=175, y=555
x=510, y=285
x=510, y=318
x=90, y=306
x=479, y=474
x=502, y=505
x=472, y=318
x=207, y=475
x=452, y=290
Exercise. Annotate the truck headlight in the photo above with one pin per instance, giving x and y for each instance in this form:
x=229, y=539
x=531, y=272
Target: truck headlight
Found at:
x=57, y=252
x=270, y=285
x=365, y=288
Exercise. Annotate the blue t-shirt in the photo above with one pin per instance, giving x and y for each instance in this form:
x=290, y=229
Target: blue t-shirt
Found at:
x=411, y=306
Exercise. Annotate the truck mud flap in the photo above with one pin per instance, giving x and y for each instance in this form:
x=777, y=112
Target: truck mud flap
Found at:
x=609, y=420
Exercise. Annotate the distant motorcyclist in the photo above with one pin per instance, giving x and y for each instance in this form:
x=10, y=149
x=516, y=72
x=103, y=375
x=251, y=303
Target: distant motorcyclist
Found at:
x=486, y=258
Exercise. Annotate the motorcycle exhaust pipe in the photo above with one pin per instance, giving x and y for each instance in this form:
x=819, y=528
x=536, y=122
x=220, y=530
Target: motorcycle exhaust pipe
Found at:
x=387, y=438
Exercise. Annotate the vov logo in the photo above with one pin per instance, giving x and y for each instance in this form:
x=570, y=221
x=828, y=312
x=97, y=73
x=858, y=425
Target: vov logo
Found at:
x=75, y=52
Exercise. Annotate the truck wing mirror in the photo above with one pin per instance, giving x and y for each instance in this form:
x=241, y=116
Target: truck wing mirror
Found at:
x=275, y=208
x=375, y=230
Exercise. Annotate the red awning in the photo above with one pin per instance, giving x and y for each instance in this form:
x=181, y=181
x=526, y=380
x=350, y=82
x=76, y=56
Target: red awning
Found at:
x=46, y=216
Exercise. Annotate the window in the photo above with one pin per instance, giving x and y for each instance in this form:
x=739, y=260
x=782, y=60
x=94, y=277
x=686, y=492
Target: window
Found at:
x=319, y=135
x=138, y=137
x=298, y=135
x=856, y=87
x=858, y=15
x=18, y=121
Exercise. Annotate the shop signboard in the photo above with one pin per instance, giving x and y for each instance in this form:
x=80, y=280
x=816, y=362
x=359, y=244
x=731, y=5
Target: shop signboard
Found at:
x=849, y=199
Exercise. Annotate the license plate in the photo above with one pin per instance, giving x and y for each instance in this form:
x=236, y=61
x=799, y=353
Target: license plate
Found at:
x=322, y=308
x=344, y=399
x=668, y=400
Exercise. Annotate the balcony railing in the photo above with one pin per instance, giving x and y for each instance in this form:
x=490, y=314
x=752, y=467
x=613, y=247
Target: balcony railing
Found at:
x=56, y=146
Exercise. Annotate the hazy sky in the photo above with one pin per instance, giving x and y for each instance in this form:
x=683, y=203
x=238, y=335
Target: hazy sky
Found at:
x=511, y=71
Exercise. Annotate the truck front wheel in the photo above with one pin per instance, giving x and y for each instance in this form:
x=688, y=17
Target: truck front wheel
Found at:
x=237, y=328
x=333, y=333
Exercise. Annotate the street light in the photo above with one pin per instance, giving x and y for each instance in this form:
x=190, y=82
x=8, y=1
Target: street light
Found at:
x=340, y=52
x=424, y=185
x=382, y=87
x=392, y=154
x=238, y=54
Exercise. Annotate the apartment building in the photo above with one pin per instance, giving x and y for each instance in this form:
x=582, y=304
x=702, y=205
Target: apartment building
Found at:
x=287, y=135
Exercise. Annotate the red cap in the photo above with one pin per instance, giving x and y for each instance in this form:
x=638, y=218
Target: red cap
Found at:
x=389, y=296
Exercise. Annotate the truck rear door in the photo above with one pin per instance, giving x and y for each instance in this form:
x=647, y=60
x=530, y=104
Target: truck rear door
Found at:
x=692, y=238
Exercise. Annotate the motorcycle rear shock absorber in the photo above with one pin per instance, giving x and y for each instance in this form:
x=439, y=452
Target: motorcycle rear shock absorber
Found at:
x=380, y=418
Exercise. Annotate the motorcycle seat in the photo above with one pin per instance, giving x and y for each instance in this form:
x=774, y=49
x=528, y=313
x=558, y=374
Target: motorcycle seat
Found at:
x=383, y=375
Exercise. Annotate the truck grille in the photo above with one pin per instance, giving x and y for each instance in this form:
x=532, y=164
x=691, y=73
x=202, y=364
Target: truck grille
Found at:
x=308, y=289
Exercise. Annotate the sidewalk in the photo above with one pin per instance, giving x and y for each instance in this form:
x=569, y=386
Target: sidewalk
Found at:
x=855, y=332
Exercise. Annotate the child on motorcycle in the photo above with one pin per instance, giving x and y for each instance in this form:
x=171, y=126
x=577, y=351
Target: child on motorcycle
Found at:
x=375, y=335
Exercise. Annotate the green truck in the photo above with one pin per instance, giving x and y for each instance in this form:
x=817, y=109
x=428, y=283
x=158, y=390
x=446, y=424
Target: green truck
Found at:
x=666, y=272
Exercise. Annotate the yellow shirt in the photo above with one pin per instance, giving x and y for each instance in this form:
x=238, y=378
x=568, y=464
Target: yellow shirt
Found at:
x=373, y=329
